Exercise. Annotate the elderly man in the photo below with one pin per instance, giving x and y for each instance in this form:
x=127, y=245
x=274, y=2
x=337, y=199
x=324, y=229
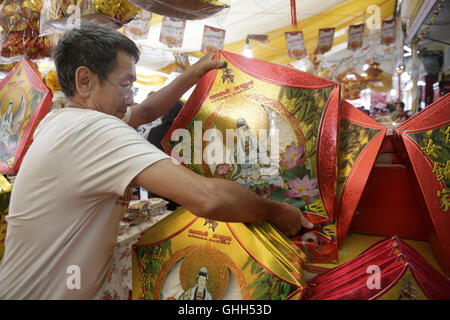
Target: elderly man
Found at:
x=65, y=209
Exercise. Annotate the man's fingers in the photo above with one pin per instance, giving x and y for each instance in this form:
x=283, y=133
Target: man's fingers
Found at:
x=305, y=222
x=219, y=64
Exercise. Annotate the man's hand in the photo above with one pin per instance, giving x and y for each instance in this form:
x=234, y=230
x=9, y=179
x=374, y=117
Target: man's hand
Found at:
x=205, y=64
x=289, y=219
x=160, y=102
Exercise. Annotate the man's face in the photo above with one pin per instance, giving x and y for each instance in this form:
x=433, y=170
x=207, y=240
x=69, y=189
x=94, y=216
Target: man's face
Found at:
x=111, y=95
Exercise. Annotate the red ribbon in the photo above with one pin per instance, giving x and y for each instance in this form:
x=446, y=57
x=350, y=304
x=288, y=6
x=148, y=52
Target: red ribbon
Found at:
x=293, y=14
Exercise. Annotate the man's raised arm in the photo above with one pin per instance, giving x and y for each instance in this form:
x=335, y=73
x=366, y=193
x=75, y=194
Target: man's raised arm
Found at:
x=160, y=102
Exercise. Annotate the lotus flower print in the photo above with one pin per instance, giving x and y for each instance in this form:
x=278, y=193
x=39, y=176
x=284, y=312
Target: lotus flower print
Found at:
x=222, y=169
x=303, y=188
x=292, y=156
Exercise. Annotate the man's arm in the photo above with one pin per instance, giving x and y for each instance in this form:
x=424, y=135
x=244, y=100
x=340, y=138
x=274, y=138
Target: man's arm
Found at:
x=218, y=199
x=160, y=102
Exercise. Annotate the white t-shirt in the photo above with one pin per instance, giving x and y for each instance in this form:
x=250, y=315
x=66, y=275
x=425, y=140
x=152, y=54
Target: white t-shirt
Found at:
x=63, y=219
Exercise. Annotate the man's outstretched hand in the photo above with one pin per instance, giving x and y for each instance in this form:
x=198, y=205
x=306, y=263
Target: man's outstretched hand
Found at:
x=290, y=220
x=205, y=64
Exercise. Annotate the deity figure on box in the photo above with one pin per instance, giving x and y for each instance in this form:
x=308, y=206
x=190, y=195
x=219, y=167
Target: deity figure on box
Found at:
x=6, y=123
x=18, y=118
x=200, y=290
x=256, y=167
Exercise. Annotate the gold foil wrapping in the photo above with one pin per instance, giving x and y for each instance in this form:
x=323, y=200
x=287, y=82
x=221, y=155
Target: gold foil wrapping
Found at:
x=20, y=22
x=121, y=11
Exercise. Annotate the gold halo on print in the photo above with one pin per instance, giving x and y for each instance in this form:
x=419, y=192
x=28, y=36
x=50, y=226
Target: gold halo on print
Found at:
x=210, y=258
x=238, y=107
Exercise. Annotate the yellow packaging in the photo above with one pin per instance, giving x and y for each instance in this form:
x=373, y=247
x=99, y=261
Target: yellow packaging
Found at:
x=182, y=254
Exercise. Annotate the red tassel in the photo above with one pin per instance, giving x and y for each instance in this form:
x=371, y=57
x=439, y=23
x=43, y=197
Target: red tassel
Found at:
x=293, y=14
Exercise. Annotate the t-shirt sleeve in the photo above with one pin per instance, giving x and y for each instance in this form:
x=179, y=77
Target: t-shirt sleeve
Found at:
x=126, y=118
x=110, y=155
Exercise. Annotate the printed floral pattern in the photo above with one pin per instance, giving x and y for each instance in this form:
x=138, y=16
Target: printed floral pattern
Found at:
x=223, y=169
x=303, y=188
x=118, y=283
x=293, y=156
x=300, y=187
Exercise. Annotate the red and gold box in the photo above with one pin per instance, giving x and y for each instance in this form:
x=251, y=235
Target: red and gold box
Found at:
x=285, y=123
x=388, y=270
x=24, y=101
x=426, y=137
x=360, y=139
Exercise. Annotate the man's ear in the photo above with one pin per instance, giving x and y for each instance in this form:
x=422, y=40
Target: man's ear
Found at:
x=85, y=80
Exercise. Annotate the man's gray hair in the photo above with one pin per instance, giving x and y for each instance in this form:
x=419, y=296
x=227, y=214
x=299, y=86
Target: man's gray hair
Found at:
x=93, y=46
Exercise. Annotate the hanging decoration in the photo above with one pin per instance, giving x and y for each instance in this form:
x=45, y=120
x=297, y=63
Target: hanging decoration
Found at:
x=172, y=32
x=388, y=31
x=429, y=23
x=325, y=42
x=213, y=39
x=139, y=27
x=295, y=44
x=186, y=10
x=293, y=14
x=355, y=36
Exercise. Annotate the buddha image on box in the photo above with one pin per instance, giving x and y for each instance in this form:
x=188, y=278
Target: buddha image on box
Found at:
x=200, y=290
x=6, y=124
x=252, y=158
x=255, y=165
x=10, y=125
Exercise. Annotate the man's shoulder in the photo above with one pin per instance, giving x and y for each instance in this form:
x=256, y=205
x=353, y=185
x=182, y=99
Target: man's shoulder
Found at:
x=79, y=117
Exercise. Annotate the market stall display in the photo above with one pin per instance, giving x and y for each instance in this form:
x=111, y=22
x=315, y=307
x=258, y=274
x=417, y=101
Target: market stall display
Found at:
x=184, y=257
x=286, y=135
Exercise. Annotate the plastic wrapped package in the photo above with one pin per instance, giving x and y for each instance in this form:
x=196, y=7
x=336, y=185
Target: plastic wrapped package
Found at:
x=184, y=9
x=304, y=65
x=213, y=39
x=139, y=27
x=65, y=14
x=327, y=70
x=20, y=30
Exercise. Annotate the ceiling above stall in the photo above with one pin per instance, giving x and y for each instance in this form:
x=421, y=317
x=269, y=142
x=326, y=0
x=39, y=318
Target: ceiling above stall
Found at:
x=273, y=18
